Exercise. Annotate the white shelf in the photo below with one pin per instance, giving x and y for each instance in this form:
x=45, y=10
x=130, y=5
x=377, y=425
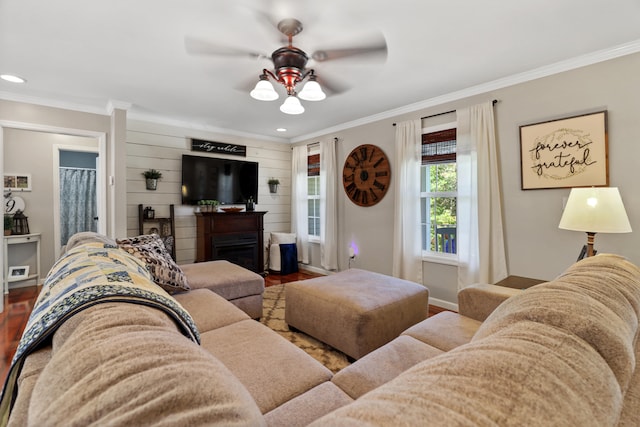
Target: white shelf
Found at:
x=12, y=240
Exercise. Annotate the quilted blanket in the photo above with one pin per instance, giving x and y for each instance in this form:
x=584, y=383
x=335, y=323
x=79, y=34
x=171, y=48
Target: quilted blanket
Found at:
x=88, y=274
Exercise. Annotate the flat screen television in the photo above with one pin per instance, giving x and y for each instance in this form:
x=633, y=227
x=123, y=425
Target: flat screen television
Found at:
x=211, y=178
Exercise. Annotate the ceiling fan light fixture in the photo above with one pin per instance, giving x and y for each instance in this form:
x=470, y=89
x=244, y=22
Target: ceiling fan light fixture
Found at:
x=264, y=90
x=312, y=91
x=292, y=105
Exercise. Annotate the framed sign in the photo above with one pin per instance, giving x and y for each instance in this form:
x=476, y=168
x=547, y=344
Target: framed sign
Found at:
x=18, y=273
x=570, y=152
x=17, y=182
x=218, y=147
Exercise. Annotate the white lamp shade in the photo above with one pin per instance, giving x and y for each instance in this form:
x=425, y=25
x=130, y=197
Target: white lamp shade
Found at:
x=595, y=210
x=312, y=91
x=292, y=105
x=264, y=91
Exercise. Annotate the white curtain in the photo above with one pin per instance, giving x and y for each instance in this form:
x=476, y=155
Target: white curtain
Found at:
x=299, y=207
x=407, y=247
x=480, y=240
x=78, y=205
x=328, y=206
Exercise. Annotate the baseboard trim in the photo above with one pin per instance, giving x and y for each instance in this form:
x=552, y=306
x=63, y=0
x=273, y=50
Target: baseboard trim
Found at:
x=443, y=304
x=313, y=269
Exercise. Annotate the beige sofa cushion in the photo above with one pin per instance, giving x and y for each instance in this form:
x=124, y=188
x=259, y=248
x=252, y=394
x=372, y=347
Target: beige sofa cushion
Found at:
x=226, y=279
x=271, y=368
x=382, y=365
x=313, y=404
x=479, y=300
x=33, y=366
x=526, y=374
x=131, y=366
x=596, y=299
x=209, y=310
x=445, y=330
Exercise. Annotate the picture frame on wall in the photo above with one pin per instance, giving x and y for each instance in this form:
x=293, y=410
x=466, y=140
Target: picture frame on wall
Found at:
x=17, y=182
x=19, y=272
x=565, y=153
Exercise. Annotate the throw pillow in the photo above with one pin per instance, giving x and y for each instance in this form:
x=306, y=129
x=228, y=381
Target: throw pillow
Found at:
x=150, y=249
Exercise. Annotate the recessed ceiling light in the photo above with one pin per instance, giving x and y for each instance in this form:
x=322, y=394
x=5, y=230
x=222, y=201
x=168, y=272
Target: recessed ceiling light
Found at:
x=13, y=79
x=281, y=130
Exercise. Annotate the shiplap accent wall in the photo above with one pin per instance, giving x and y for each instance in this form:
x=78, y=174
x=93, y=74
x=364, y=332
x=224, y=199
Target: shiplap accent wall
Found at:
x=161, y=147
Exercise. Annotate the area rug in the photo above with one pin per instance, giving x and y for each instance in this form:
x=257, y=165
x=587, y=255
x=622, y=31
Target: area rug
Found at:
x=273, y=317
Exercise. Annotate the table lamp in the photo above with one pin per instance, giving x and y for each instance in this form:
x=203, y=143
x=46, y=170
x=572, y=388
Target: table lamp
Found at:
x=595, y=210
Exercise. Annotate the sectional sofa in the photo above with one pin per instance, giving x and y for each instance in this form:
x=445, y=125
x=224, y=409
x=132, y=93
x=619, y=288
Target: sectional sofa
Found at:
x=561, y=353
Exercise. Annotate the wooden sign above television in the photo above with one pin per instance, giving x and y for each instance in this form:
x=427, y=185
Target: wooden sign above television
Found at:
x=218, y=147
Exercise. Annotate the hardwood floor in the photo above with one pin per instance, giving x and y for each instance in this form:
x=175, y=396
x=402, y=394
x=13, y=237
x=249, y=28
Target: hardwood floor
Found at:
x=17, y=308
x=278, y=279
x=19, y=303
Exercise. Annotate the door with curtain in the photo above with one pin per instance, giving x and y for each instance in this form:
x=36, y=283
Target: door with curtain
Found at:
x=78, y=202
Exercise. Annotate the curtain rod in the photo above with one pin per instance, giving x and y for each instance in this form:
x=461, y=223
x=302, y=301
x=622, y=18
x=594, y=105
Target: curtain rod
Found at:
x=313, y=144
x=495, y=101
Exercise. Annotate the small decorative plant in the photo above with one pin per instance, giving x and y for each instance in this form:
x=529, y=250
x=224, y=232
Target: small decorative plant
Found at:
x=208, y=205
x=273, y=185
x=152, y=176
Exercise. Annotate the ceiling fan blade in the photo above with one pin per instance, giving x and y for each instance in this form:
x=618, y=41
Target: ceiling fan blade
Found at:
x=332, y=86
x=197, y=46
x=376, y=51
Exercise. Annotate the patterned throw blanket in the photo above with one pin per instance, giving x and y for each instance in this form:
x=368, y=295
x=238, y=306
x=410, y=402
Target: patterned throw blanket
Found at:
x=89, y=274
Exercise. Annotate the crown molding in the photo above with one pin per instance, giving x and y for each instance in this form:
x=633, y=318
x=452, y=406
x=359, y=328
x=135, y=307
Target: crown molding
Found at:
x=53, y=103
x=548, y=70
x=160, y=120
x=114, y=104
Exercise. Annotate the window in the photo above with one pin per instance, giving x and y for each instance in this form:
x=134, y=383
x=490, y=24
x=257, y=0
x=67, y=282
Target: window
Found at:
x=313, y=194
x=438, y=191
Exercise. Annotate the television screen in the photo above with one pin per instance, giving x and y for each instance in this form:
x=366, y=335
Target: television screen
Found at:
x=224, y=180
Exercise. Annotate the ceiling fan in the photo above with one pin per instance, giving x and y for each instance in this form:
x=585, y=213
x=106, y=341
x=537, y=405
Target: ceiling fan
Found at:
x=290, y=66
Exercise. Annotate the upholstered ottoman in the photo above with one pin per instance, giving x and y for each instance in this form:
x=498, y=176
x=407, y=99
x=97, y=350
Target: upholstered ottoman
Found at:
x=355, y=311
x=238, y=285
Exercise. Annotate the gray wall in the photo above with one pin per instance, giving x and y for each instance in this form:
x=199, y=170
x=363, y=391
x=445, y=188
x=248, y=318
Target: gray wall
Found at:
x=535, y=246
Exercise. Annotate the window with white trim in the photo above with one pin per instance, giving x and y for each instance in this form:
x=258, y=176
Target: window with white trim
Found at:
x=313, y=192
x=439, y=191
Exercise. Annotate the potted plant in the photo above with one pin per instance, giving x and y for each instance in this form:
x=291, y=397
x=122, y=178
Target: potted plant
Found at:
x=152, y=176
x=8, y=224
x=208, y=205
x=273, y=185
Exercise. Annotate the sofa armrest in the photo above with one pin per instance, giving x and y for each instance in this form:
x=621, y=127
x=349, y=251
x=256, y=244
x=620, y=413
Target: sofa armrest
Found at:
x=479, y=300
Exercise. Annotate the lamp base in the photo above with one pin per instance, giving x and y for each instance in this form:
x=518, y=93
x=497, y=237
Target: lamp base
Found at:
x=590, y=239
x=584, y=251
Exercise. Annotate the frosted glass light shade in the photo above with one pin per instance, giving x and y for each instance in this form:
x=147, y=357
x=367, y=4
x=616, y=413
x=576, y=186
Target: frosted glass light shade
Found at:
x=264, y=91
x=595, y=210
x=311, y=91
x=292, y=105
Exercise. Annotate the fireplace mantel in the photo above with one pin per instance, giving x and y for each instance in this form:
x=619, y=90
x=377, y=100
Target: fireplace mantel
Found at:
x=234, y=236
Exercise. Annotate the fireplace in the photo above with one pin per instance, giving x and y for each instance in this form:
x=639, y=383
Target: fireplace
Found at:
x=241, y=249
x=233, y=236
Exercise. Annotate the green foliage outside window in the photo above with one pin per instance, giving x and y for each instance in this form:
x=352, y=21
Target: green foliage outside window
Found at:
x=439, y=206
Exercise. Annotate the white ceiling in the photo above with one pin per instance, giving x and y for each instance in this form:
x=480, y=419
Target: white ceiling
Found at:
x=81, y=54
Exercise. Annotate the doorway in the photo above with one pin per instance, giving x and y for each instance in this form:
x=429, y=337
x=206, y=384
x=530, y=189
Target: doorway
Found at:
x=76, y=184
x=100, y=141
